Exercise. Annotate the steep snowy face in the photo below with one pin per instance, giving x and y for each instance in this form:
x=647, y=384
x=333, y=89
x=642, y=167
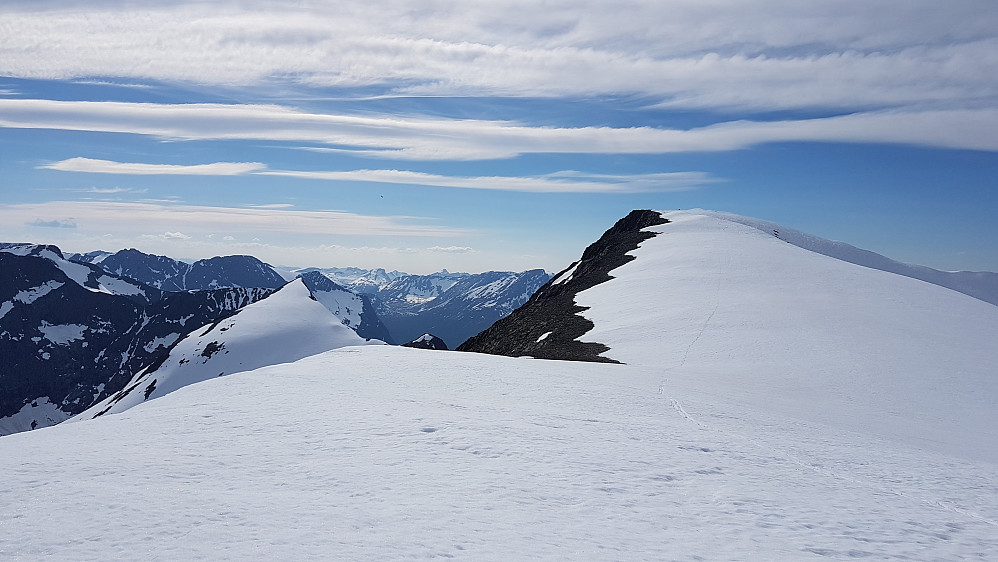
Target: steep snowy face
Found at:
x=713, y=298
x=286, y=326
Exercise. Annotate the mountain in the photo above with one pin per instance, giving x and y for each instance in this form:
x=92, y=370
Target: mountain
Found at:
x=770, y=403
x=88, y=276
x=169, y=274
x=284, y=327
x=354, y=310
x=406, y=291
x=67, y=340
x=711, y=297
x=427, y=341
x=469, y=305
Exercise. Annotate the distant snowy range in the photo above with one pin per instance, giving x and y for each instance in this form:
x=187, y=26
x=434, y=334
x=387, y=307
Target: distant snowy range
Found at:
x=697, y=386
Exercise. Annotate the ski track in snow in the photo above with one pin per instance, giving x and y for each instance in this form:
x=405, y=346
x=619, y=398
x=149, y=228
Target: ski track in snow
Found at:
x=390, y=453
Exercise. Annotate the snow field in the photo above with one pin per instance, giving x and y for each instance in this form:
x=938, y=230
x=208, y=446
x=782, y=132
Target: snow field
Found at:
x=391, y=453
x=779, y=327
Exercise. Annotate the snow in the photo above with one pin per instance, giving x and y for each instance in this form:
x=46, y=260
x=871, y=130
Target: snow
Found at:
x=29, y=296
x=567, y=274
x=62, y=334
x=117, y=286
x=775, y=324
x=283, y=327
x=424, y=337
x=41, y=411
x=543, y=337
x=164, y=341
x=390, y=453
x=345, y=305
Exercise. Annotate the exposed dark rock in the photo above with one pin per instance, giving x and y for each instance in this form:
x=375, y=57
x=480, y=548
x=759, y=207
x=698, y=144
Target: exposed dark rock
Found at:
x=548, y=324
x=427, y=341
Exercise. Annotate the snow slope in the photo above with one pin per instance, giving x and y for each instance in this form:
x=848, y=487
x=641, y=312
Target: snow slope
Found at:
x=785, y=328
x=286, y=326
x=381, y=453
x=978, y=284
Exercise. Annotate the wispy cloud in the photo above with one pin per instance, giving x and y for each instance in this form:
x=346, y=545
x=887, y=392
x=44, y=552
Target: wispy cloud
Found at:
x=122, y=217
x=112, y=190
x=767, y=54
x=464, y=139
x=561, y=182
x=93, y=166
x=54, y=223
x=567, y=181
x=452, y=249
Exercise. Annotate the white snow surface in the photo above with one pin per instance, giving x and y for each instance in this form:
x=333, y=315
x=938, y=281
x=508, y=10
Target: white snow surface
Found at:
x=771, y=323
x=380, y=453
x=281, y=328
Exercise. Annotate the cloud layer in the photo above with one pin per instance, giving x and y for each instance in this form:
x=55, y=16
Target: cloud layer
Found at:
x=765, y=54
x=91, y=165
x=122, y=217
x=464, y=139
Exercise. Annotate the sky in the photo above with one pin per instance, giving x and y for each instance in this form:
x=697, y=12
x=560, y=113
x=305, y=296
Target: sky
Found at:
x=499, y=135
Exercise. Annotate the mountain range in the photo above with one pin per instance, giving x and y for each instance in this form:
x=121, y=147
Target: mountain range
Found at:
x=734, y=395
x=77, y=329
x=451, y=306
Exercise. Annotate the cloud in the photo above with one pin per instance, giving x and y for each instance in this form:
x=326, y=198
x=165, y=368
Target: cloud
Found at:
x=561, y=182
x=90, y=165
x=451, y=249
x=122, y=217
x=112, y=190
x=54, y=223
x=466, y=139
x=766, y=54
x=176, y=236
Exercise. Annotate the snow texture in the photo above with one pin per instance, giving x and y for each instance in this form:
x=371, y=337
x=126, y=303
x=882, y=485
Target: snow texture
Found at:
x=389, y=453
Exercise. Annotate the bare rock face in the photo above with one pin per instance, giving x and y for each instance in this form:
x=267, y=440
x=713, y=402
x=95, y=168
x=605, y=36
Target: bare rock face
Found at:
x=427, y=341
x=548, y=324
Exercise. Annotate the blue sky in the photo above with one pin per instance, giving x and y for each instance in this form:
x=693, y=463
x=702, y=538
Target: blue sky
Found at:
x=494, y=135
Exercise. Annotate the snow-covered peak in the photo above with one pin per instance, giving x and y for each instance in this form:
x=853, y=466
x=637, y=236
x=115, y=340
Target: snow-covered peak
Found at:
x=978, y=284
x=286, y=326
x=714, y=298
